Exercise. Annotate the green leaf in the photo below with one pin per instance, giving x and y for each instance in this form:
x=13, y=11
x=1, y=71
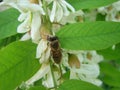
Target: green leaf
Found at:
x=111, y=75
x=77, y=85
x=115, y=89
x=37, y=88
x=89, y=35
x=100, y=17
x=89, y=4
x=8, y=23
x=66, y=76
x=17, y=64
x=38, y=82
x=6, y=41
x=110, y=54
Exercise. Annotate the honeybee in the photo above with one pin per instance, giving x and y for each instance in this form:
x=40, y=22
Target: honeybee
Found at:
x=55, y=48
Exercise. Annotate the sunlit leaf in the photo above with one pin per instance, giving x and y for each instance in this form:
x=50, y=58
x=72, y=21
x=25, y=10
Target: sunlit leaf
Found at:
x=111, y=53
x=110, y=74
x=77, y=85
x=8, y=23
x=37, y=88
x=88, y=4
x=89, y=35
x=17, y=64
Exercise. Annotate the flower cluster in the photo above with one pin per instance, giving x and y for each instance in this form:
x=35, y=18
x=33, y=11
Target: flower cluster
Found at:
x=112, y=12
x=38, y=21
x=83, y=65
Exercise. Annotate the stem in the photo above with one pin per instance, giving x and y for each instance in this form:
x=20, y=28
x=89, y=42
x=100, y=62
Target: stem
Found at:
x=53, y=76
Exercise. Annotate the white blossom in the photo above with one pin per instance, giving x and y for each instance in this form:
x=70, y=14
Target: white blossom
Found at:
x=87, y=72
x=45, y=68
x=111, y=12
x=42, y=46
x=60, y=9
x=25, y=37
x=30, y=17
x=71, y=17
x=89, y=68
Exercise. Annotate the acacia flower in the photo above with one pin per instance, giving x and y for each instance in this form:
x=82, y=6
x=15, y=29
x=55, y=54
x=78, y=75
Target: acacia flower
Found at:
x=43, y=51
x=112, y=12
x=71, y=18
x=45, y=68
x=60, y=9
x=83, y=65
x=30, y=17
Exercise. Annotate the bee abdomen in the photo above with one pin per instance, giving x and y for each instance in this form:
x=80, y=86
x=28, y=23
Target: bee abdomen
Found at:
x=57, y=55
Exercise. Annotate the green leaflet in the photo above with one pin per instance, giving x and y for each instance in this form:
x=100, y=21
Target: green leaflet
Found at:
x=89, y=4
x=8, y=23
x=89, y=35
x=111, y=74
x=115, y=88
x=77, y=85
x=17, y=64
x=37, y=88
x=111, y=54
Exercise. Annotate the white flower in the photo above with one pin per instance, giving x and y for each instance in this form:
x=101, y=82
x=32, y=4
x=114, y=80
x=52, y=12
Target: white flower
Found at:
x=60, y=9
x=45, y=68
x=45, y=56
x=35, y=27
x=48, y=79
x=111, y=11
x=30, y=17
x=48, y=82
x=71, y=17
x=25, y=25
x=87, y=72
x=87, y=69
x=43, y=51
x=92, y=57
x=25, y=37
x=42, y=46
x=32, y=22
x=116, y=5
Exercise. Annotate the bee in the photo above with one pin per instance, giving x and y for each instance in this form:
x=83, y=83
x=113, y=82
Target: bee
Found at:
x=55, y=48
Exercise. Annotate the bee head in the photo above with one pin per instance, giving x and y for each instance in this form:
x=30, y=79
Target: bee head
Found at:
x=52, y=38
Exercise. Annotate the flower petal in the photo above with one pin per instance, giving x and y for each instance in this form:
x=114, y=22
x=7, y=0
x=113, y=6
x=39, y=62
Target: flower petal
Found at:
x=68, y=5
x=25, y=26
x=31, y=7
x=25, y=37
x=22, y=17
x=41, y=48
x=45, y=68
x=35, y=27
x=59, y=13
x=52, y=15
x=45, y=56
x=49, y=81
x=66, y=11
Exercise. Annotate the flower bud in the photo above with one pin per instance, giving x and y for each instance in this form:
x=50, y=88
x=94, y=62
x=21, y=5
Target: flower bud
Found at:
x=89, y=56
x=34, y=1
x=73, y=61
